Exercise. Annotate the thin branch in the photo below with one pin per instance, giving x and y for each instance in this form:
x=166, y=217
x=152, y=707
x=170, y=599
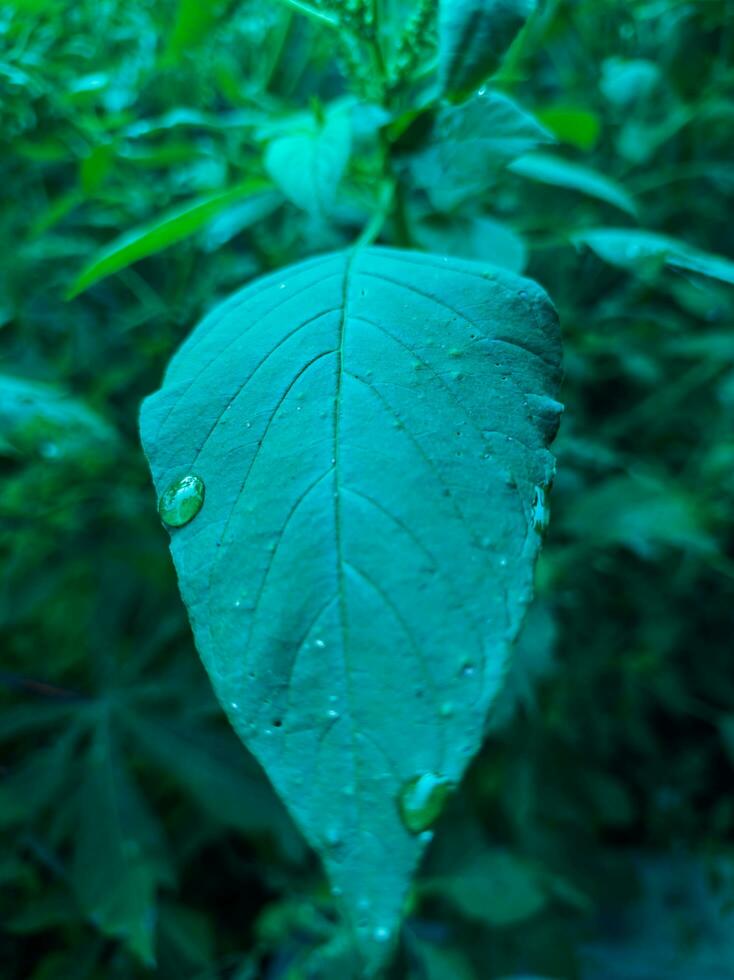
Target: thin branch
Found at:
x=314, y=13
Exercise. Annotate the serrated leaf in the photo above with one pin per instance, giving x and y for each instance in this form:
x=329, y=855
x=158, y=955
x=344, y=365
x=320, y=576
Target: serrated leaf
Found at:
x=116, y=866
x=30, y=787
x=219, y=779
x=648, y=251
x=174, y=226
x=548, y=169
x=371, y=430
x=473, y=38
x=470, y=143
x=308, y=166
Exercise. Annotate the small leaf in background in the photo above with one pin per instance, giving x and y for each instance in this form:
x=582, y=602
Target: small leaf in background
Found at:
x=95, y=167
x=231, y=222
x=558, y=172
x=172, y=227
x=532, y=661
x=439, y=962
x=643, y=513
x=40, y=419
x=625, y=81
x=648, y=251
x=473, y=38
x=680, y=926
x=482, y=239
x=194, y=20
x=494, y=887
x=279, y=402
x=308, y=166
x=571, y=124
x=468, y=144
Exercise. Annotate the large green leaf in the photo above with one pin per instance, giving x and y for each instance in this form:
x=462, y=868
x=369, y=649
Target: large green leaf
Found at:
x=473, y=37
x=370, y=428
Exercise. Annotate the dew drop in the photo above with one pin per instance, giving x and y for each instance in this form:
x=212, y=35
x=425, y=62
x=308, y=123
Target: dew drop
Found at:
x=319, y=644
x=333, y=837
x=446, y=710
x=49, y=450
x=381, y=934
x=421, y=801
x=541, y=510
x=182, y=501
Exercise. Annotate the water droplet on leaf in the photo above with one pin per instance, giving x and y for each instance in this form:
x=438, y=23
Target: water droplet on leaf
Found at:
x=422, y=799
x=182, y=501
x=541, y=510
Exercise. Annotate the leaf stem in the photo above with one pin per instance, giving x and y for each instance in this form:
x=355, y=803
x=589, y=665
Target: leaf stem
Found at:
x=374, y=226
x=318, y=15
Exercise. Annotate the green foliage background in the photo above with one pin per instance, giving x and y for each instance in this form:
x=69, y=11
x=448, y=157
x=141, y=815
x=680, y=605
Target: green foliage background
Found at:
x=593, y=836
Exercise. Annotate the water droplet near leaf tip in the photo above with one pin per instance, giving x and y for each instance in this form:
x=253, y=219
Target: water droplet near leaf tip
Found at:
x=422, y=800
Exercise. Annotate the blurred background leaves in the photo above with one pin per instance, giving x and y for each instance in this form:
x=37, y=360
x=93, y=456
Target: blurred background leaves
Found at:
x=150, y=160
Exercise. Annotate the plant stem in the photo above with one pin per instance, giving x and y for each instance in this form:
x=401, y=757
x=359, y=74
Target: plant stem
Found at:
x=319, y=15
